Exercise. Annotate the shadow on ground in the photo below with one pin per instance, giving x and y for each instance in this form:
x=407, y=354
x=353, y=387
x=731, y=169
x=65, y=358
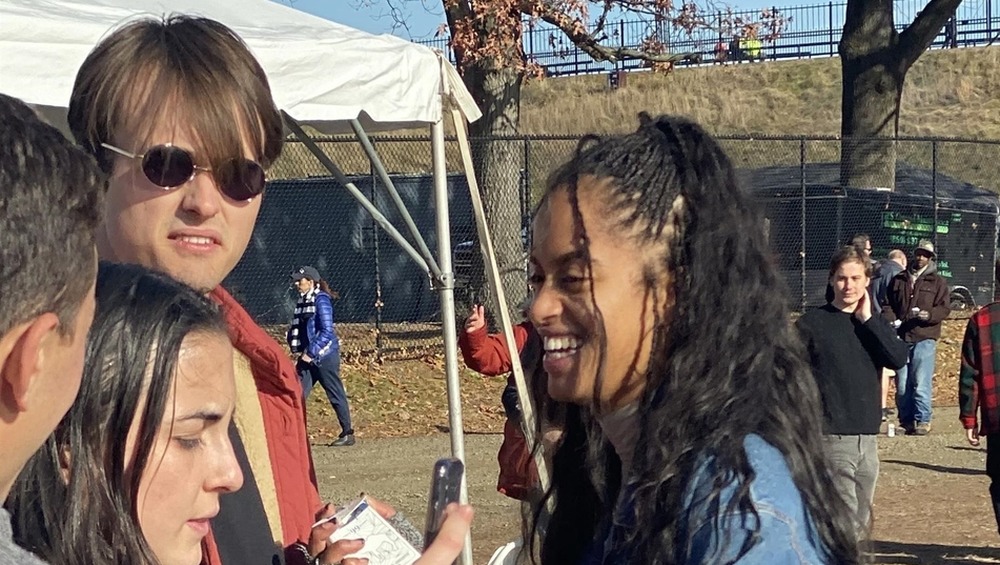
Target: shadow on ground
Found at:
x=937, y=468
x=899, y=553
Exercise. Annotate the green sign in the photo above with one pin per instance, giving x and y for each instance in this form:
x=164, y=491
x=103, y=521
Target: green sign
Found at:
x=905, y=231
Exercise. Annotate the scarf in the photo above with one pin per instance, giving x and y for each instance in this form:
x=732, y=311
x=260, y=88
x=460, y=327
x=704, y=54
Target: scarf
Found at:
x=305, y=308
x=622, y=429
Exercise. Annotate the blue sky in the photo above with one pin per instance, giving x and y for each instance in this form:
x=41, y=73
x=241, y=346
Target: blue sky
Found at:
x=422, y=22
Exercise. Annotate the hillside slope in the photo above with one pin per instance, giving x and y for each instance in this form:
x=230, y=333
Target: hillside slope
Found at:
x=948, y=93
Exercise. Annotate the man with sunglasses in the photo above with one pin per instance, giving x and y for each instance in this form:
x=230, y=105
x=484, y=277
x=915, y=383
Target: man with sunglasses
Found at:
x=180, y=115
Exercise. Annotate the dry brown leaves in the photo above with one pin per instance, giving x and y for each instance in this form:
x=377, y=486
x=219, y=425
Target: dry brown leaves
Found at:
x=407, y=394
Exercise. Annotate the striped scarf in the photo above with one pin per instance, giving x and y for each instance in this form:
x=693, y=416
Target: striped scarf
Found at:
x=305, y=308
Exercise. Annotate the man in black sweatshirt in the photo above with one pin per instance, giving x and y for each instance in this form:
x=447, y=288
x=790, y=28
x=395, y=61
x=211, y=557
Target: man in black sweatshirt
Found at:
x=848, y=348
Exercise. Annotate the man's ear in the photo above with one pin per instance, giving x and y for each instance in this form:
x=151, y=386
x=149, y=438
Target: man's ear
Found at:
x=22, y=356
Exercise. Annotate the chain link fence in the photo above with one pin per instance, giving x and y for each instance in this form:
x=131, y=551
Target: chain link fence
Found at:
x=945, y=191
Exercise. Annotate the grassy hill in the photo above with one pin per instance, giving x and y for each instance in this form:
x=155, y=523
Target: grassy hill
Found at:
x=953, y=93
x=950, y=93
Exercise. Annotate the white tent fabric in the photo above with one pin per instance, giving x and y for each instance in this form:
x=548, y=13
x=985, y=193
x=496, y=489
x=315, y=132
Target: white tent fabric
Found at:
x=321, y=72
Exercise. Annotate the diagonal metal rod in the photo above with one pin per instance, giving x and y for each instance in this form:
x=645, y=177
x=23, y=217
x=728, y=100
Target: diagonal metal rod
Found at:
x=366, y=143
x=528, y=408
x=382, y=221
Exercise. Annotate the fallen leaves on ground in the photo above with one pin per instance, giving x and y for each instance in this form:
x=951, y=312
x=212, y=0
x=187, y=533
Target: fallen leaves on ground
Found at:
x=406, y=393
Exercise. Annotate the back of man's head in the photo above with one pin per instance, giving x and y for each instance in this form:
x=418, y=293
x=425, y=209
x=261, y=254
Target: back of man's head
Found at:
x=50, y=201
x=898, y=256
x=50, y=196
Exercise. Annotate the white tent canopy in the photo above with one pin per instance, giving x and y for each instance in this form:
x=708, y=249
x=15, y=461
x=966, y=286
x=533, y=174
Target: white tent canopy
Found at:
x=321, y=72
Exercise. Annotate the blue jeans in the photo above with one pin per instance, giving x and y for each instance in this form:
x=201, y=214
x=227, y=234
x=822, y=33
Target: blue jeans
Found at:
x=327, y=373
x=914, y=384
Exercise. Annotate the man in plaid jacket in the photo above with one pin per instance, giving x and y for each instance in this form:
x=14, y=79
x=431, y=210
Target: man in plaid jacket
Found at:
x=978, y=387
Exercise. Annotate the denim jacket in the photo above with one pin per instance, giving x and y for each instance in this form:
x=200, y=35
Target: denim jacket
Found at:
x=785, y=534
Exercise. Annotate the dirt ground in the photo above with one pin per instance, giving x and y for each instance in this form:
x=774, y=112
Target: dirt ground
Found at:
x=931, y=505
x=404, y=394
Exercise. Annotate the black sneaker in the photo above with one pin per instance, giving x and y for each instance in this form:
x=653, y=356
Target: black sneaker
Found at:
x=343, y=441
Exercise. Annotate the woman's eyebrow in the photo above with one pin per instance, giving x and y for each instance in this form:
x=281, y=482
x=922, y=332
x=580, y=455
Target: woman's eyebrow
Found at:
x=568, y=258
x=203, y=414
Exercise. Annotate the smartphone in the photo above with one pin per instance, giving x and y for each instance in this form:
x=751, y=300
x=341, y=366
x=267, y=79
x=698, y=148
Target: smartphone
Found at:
x=446, y=485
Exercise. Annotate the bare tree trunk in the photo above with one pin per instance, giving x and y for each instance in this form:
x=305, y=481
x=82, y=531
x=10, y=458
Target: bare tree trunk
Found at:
x=872, y=87
x=874, y=60
x=496, y=88
x=498, y=169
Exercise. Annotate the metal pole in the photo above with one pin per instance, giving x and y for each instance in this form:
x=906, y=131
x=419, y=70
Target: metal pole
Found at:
x=989, y=20
x=361, y=198
x=366, y=143
x=531, y=40
x=446, y=290
x=802, y=218
x=496, y=286
x=378, y=277
x=934, y=194
x=830, y=19
x=526, y=187
x=774, y=40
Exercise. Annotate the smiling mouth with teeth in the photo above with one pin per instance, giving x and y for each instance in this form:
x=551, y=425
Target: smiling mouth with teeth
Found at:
x=559, y=347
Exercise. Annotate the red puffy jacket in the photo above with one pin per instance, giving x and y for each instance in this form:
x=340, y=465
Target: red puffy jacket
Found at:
x=280, y=395
x=487, y=354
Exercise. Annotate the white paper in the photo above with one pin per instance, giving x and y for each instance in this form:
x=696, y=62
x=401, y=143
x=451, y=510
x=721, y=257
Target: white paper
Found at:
x=383, y=544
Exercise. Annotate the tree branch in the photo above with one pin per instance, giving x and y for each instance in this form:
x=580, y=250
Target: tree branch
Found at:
x=576, y=32
x=915, y=39
x=603, y=18
x=455, y=13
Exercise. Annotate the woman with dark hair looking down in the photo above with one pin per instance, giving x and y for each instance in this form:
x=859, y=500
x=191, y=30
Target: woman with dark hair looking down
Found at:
x=134, y=472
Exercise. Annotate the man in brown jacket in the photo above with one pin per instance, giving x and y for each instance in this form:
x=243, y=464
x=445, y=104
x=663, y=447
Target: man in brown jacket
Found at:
x=918, y=303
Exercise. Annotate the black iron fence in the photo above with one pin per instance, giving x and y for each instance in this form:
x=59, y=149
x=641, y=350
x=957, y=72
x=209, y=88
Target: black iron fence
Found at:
x=808, y=31
x=945, y=191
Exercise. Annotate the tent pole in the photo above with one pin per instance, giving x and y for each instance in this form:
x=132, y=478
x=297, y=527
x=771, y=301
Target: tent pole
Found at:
x=493, y=277
x=524, y=397
x=357, y=194
x=446, y=288
x=366, y=144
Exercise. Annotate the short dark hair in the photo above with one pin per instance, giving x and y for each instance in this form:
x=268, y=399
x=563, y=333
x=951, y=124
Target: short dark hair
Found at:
x=50, y=204
x=140, y=324
x=860, y=240
x=154, y=64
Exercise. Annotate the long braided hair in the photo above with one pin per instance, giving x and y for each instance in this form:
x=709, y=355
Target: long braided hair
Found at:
x=725, y=361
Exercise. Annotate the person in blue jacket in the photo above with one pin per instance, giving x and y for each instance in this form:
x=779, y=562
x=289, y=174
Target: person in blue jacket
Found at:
x=691, y=424
x=313, y=338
